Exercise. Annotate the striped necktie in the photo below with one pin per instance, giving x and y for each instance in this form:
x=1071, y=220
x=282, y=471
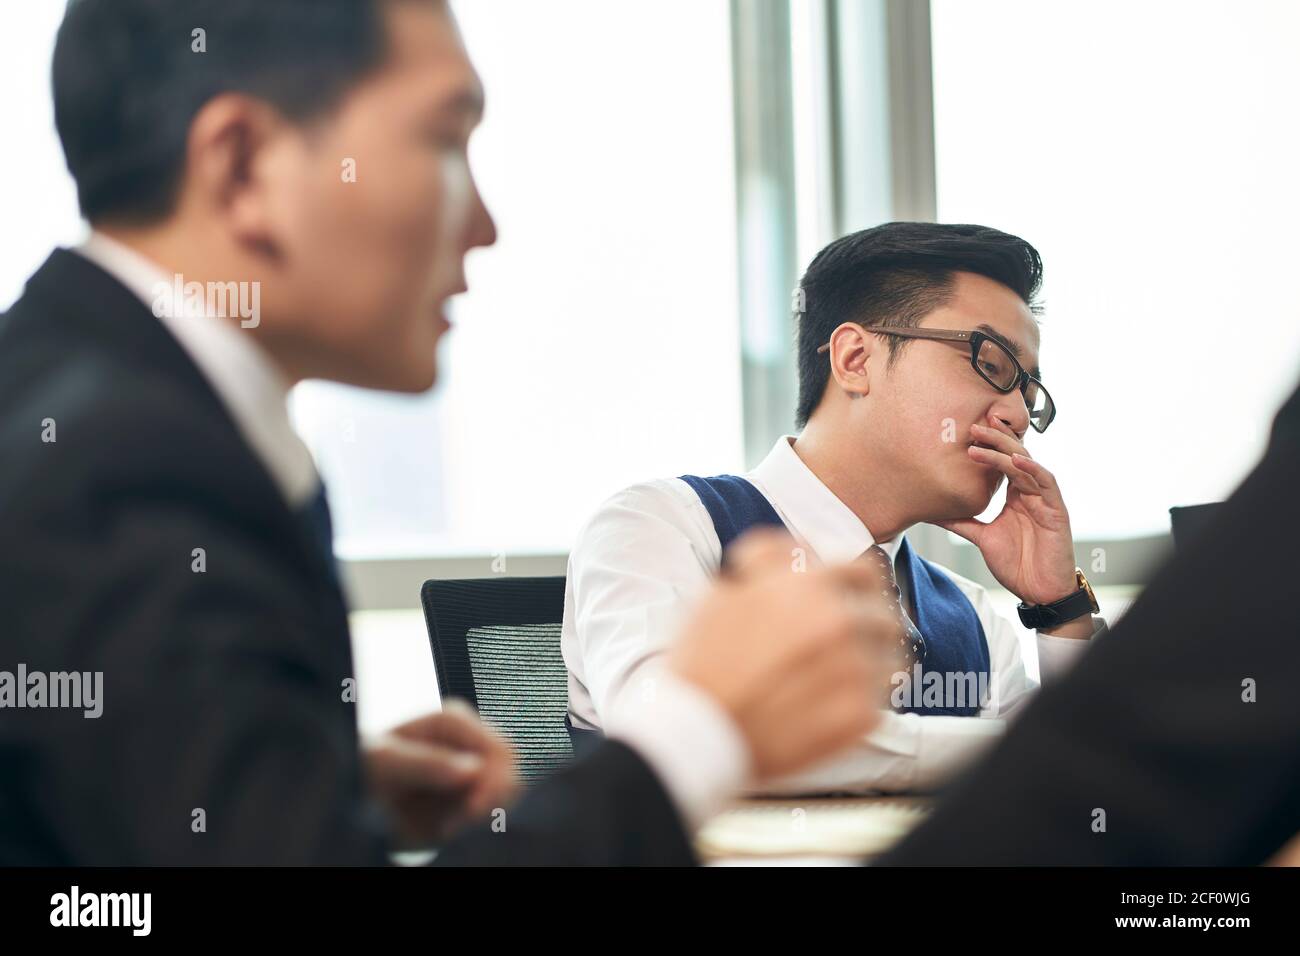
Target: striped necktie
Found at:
x=911, y=641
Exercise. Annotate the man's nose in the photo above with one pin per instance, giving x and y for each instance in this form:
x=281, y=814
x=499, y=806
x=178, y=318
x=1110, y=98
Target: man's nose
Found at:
x=1012, y=411
x=482, y=228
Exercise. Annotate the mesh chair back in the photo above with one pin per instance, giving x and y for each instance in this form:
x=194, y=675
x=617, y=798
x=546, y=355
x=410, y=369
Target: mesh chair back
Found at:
x=496, y=643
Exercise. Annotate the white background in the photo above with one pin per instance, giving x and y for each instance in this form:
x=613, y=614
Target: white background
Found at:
x=1150, y=150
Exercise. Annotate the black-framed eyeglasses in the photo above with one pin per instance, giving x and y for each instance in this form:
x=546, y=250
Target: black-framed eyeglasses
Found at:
x=994, y=363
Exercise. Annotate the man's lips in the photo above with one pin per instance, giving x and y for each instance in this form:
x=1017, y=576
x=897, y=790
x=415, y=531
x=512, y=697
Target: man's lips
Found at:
x=440, y=309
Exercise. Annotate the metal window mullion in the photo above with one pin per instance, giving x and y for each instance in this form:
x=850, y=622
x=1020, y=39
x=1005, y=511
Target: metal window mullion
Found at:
x=766, y=223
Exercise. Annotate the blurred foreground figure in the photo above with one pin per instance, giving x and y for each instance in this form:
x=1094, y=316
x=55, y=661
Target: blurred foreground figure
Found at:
x=280, y=195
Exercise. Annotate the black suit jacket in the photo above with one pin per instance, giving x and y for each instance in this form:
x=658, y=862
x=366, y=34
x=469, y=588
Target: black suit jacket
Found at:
x=222, y=689
x=1153, y=726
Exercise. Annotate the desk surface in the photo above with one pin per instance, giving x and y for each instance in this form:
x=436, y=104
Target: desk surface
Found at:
x=808, y=829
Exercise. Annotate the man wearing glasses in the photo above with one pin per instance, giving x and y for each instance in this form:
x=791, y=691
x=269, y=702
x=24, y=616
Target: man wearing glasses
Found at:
x=918, y=385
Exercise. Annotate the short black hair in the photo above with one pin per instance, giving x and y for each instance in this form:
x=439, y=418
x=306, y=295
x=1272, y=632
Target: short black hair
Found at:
x=128, y=82
x=895, y=274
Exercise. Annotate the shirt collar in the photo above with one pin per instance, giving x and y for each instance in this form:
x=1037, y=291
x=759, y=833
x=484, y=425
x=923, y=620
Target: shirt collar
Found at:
x=247, y=381
x=811, y=510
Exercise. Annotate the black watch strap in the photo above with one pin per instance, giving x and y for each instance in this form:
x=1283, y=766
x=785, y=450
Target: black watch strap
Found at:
x=1044, y=617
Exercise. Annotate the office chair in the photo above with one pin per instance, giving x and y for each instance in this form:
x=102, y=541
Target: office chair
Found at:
x=496, y=643
x=1187, y=521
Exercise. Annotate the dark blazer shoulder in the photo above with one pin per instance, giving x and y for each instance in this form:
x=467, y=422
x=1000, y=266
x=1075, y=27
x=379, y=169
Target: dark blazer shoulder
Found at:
x=98, y=398
x=113, y=440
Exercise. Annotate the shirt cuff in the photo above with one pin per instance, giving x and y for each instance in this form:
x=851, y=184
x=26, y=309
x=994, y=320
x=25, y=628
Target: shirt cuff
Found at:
x=689, y=741
x=905, y=753
x=948, y=745
x=1056, y=655
x=883, y=760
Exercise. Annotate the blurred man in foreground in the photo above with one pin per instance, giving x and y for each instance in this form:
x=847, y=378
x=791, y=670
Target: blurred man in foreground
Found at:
x=280, y=191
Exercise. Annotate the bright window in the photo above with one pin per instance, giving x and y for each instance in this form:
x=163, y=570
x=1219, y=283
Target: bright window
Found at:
x=1149, y=150
x=598, y=344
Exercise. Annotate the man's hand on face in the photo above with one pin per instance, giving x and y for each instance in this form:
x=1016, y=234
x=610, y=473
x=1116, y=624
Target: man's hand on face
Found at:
x=437, y=772
x=800, y=659
x=1028, y=547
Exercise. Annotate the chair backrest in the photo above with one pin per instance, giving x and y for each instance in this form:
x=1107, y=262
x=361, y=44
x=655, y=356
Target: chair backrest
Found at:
x=1187, y=521
x=496, y=643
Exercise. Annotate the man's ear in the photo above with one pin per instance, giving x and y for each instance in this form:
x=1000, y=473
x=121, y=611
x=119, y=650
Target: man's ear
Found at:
x=230, y=165
x=851, y=348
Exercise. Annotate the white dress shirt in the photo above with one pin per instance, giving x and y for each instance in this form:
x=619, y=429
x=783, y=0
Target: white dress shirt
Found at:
x=255, y=393
x=651, y=551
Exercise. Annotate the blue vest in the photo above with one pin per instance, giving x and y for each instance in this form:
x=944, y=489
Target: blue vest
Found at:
x=945, y=617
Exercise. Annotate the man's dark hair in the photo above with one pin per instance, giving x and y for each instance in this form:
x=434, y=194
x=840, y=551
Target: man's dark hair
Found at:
x=896, y=274
x=128, y=82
